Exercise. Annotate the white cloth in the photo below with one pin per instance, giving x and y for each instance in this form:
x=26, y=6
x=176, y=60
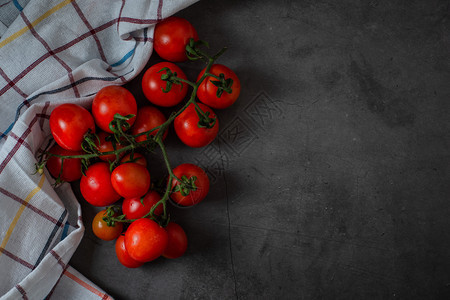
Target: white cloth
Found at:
x=51, y=52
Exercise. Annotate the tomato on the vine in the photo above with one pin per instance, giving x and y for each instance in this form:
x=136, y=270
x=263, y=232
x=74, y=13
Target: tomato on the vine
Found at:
x=134, y=157
x=69, y=123
x=110, y=100
x=191, y=131
x=148, y=117
x=71, y=168
x=96, y=186
x=123, y=256
x=137, y=207
x=102, y=230
x=216, y=96
x=194, y=185
x=130, y=180
x=177, y=241
x=145, y=240
x=171, y=37
x=161, y=92
x=105, y=144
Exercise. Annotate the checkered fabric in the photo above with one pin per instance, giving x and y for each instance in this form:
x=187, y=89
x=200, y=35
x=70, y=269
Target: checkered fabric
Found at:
x=52, y=52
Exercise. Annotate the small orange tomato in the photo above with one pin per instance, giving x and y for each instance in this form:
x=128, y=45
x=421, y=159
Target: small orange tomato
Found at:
x=102, y=230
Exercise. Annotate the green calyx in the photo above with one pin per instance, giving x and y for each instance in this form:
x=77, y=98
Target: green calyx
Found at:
x=193, y=51
x=170, y=78
x=205, y=121
x=223, y=85
x=110, y=217
x=186, y=185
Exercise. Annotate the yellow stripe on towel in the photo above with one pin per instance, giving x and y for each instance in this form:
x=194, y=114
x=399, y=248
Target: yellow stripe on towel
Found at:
x=34, y=23
x=20, y=211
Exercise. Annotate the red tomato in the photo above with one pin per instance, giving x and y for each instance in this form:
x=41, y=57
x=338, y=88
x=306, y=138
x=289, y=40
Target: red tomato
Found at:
x=102, y=230
x=207, y=90
x=200, y=180
x=153, y=86
x=148, y=117
x=130, y=180
x=171, y=37
x=135, y=157
x=177, y=241
x=96, y=186
x=188, y=130
x=145, y=240
x=106, y=146
x=111, y=100
x=135, y=208
x=71, y=168
x=68, y=125
x=123, y=256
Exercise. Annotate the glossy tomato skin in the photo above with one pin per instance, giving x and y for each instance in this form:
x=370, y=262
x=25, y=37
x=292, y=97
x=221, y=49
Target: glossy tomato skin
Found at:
x=123, y=256
x=135, y=157
x=148, y=117
x=153, y=85
x=188, y=131
x=171, y=37
x=207, y=91
x=130, y=180
x=177, y=241
x=145, y=240
x=71, y=167
x=105, y=145
x=201, y=183
x=137, y=207
x=102, y=230
x=96, y=186
x=110, y=100
x=69, y=123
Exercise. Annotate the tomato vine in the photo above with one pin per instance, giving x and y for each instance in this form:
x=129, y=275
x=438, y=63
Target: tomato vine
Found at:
x=120, y=135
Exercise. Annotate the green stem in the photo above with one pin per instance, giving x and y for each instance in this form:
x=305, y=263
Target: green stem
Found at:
x=213, y=76
x=186, y=81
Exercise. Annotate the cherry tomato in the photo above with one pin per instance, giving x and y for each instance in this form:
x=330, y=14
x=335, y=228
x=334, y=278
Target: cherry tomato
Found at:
x=123, y=256
x=145, y=240
x=102, y=230
x=207, y=90
x=177, y=241
x=187, y=127
x=71, y=168
x=135, y=157
x=153, y=86
x=171, y=37
x=96, y=186
x=106, y=146
x=111, y=100
x=130, y=180
x=137, y=207
x=196, y=177
x=69, y=123
x=148, y=117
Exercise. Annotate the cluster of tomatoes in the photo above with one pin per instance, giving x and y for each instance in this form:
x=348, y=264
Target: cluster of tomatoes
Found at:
x=114, y=169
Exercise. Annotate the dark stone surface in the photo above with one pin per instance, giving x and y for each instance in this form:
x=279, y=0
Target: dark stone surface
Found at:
x=331, y=174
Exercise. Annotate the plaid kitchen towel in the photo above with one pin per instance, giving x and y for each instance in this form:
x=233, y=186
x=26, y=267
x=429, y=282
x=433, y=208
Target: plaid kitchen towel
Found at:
x=52, y=52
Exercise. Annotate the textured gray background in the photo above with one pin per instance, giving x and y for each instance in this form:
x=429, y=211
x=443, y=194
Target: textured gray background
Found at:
x=330, y=178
